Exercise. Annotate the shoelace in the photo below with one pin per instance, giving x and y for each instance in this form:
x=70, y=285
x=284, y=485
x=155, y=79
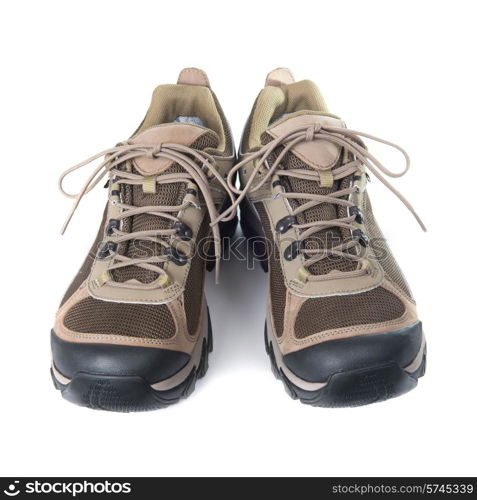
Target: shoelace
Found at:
x=351, y=142
x=199, y=168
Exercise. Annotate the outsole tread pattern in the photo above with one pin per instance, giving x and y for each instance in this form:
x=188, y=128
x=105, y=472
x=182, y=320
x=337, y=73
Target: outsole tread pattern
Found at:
x=355, y=387
x=130, y=393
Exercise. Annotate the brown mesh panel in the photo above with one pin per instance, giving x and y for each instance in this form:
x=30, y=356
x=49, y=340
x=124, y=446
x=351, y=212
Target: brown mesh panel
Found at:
x=325, y=238
x=278, y=291
x=381, y=249
x=326, y=313
x=194, y=287
x=167, y=194
x=111, y=318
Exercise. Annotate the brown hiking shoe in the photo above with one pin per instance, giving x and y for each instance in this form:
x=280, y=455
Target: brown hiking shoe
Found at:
x=133, y=332
x=342, y=327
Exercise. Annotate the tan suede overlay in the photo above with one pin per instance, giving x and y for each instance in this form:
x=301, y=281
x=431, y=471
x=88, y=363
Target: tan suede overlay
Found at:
x=178, y=133
x=320, y=154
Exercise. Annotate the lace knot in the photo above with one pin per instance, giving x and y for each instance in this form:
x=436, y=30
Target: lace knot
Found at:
x=154, y=152
x=311, y=131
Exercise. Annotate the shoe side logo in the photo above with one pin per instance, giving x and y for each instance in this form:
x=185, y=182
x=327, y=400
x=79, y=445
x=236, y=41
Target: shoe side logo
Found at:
x=12, y=489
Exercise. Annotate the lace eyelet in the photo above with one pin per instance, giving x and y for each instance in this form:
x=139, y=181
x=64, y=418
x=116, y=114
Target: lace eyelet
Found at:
x=183, y=231
x=292, y=251
x=361, y=237
x=357, y=213
x=283, y=225
x=179, y=258
x=112, y=224
x=107, y=249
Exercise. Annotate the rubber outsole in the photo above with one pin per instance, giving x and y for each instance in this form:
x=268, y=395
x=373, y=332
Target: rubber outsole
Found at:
x=354, y=387
x=130, y=393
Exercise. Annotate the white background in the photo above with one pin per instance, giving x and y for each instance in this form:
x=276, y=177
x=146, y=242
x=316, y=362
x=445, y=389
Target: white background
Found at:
x=77, y=77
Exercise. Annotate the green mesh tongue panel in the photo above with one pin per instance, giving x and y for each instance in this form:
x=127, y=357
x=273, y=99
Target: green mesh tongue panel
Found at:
x=326, y=238
x=166, y=194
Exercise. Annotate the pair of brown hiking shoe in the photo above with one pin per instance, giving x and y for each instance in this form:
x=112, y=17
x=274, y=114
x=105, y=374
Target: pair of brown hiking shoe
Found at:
x=133, y=330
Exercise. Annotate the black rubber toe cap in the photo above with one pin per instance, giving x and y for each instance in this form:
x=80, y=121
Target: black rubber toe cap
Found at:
x=319, y=362
x=152, y=364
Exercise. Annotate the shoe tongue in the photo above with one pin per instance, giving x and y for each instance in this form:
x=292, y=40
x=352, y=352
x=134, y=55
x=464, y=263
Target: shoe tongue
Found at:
x=186, y=134
x=312, y=155
x=318, y=154
x=172, y=194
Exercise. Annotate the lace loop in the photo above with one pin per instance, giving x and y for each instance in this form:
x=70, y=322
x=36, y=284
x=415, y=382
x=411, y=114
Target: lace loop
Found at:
x=351, y=141
x=197, y=165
